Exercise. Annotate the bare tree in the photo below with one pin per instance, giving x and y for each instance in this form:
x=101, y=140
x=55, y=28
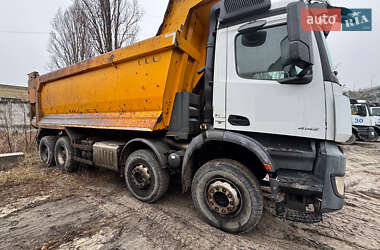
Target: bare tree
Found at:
x=69, y=39
x=92, y=27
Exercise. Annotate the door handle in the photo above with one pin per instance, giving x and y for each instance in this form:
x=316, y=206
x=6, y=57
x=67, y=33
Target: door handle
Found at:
x=237, y=120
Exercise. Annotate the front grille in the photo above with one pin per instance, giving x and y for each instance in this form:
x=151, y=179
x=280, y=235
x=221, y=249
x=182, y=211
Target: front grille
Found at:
x=363, y=130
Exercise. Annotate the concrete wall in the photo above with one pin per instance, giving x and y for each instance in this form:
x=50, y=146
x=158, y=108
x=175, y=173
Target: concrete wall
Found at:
x=15, y=114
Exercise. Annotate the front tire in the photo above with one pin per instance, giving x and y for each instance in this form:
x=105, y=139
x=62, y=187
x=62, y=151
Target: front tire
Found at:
x=46, y=150
x=64, y=155
x=228, y=196
x=375, y=138
x=351, y=141
x=145, y=178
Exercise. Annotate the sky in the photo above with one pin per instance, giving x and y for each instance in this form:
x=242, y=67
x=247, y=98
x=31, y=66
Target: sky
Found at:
x=25, y=26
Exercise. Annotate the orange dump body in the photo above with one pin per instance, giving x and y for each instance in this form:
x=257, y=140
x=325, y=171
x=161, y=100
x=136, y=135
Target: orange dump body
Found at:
x=132, y=88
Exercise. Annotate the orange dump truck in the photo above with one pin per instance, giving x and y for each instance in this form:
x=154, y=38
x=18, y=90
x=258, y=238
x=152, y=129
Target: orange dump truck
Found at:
x=132, y=88
x=227, y=94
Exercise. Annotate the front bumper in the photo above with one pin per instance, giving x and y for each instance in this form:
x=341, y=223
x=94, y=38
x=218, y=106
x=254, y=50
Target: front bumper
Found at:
x=331, y=163
x=365, y=133
x=323, y=187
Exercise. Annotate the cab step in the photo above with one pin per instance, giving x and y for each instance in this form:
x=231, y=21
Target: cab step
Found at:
x=298, y=216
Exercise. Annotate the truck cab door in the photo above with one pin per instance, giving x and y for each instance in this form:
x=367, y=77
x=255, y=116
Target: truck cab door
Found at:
x=220, y=78
x=256, y=101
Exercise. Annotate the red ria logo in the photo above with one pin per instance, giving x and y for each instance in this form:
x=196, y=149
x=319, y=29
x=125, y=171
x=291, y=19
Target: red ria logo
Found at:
x=321, y=19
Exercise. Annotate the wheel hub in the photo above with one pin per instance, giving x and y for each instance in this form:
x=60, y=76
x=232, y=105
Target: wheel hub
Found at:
x=223, y=198
x=141, y=176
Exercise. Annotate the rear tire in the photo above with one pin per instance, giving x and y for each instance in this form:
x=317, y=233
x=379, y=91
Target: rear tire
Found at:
x=145, y=178
x=46, y=150
x=64, y=155
x=228, y=196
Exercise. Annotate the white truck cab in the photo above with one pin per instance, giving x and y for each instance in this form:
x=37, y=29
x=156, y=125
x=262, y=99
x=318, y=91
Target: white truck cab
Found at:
x=273, y=82
x=256, y=88
x=363, y=122
x=375, y=111
x=375, y=114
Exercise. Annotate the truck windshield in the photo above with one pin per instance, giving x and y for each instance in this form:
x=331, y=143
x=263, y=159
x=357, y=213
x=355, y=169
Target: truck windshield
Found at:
x=354, y=110
x=376, y=111
x=362, y=110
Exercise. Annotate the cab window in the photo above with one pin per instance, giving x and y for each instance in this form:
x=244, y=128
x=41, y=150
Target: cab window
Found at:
x=262, y=55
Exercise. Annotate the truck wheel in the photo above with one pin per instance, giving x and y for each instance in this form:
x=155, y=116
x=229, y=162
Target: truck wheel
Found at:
x=46, y=150
x=144, y=176
x=351, y=141
x=64, y=155
x=375, y=138
x=228, y=196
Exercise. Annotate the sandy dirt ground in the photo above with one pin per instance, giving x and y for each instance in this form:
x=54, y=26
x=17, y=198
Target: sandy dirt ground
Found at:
x=42, y=208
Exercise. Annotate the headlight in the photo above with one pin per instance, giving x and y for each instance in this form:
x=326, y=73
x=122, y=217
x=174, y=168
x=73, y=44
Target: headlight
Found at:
x=339, y=183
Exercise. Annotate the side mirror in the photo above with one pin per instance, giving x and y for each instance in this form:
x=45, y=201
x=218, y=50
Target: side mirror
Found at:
x=254, y=39
x=299, y=51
